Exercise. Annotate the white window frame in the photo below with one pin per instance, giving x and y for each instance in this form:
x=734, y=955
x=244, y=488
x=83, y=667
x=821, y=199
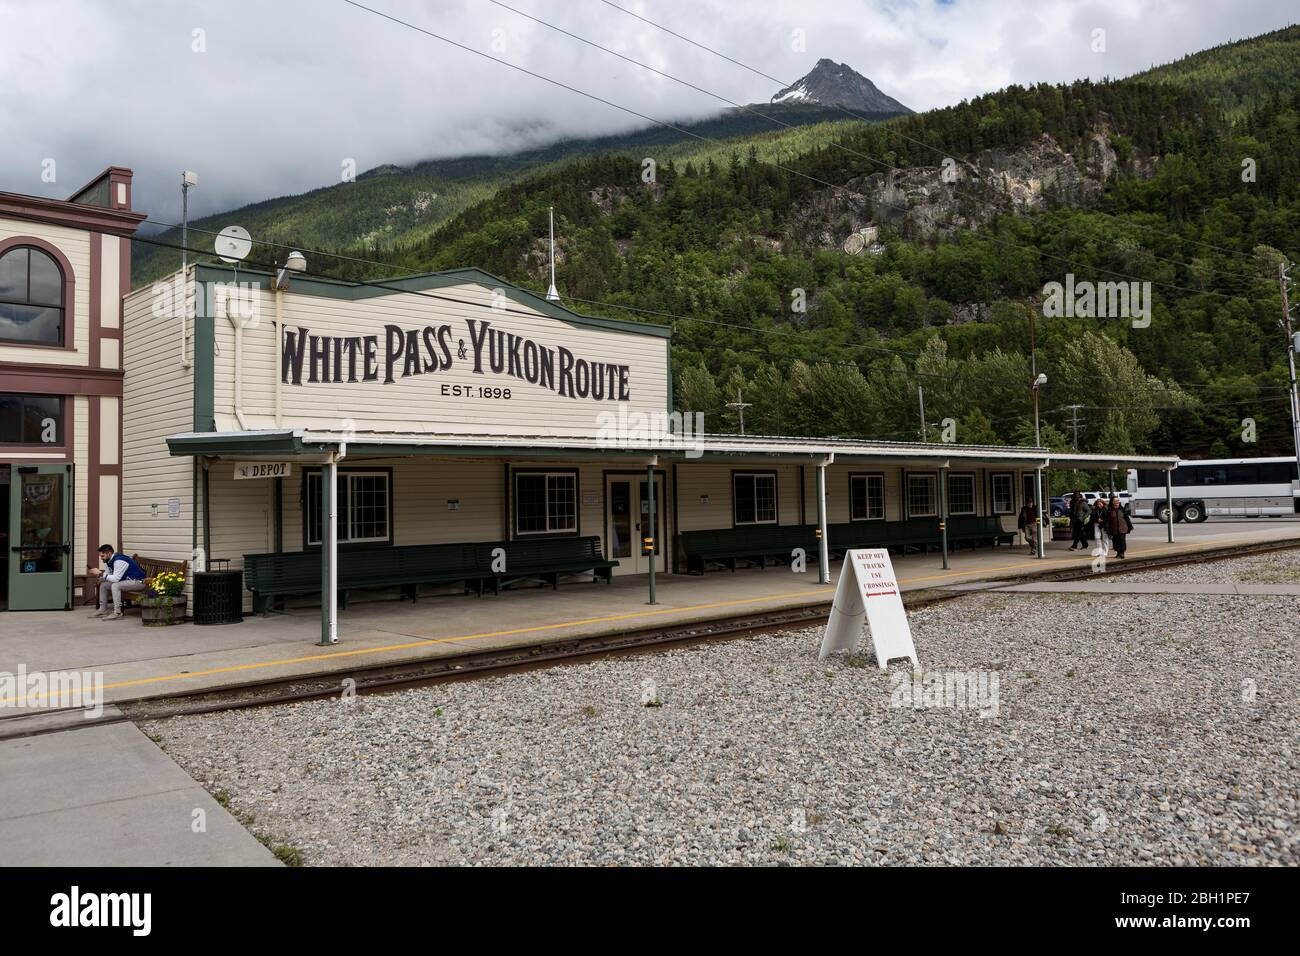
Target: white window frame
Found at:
x=867, y=477
x=547, y=476
x=1011, y=492
x=755, y=475
x=932, y=479
x=974, y=492
x=314, y=479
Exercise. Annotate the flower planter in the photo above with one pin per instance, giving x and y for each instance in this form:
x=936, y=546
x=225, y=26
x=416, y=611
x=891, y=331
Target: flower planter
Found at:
x=162, y=611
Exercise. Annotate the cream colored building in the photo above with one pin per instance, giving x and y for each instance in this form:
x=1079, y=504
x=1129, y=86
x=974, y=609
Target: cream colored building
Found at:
x=64, y=268
x=454, y=408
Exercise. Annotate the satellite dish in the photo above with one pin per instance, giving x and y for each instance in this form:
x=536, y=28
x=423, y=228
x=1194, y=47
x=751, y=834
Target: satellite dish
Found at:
x=233, y=243
x=854, y=243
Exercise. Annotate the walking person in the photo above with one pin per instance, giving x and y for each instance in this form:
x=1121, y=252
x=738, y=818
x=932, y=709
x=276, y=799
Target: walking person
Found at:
x=1078, y=521
x=120, y=574
x=1097, y=529
x=1118, y=524
x=1027, y=523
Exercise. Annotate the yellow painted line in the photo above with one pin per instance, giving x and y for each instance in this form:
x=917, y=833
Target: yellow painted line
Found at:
x=236, y=668
x=440, y=640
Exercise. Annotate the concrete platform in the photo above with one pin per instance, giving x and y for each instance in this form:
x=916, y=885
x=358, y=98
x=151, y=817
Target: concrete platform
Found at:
x=138, y=662
x=107, y=796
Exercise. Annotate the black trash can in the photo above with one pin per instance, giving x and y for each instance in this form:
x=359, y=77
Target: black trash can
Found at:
x=218, y=596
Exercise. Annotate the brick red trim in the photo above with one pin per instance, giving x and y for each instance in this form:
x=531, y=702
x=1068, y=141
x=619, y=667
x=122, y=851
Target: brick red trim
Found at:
x=59, y=379
x=69, y=290
x=119, y=222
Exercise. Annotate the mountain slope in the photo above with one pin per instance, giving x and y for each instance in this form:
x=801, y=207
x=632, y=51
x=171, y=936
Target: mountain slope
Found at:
x=391, y=206
x=837, y=84
x=1238, y=76
x=1103, y=181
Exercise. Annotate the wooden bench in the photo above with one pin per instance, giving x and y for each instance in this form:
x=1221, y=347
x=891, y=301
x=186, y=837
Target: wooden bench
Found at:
x=545, y=560
x=754, y=544
x=286, y=574
x=920, y=533
x=152, y=567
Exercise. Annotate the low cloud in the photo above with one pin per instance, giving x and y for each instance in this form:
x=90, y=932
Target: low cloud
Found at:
x=267, y=99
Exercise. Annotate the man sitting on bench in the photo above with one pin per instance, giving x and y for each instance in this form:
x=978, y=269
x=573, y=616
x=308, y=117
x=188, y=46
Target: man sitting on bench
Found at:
x=122, y=574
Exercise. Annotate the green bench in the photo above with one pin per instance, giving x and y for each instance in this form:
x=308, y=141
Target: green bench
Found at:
x=725, y=547
x=754, y=544
x=546, y=560
x=270, y=576
x=919, y=533
x=978, y=530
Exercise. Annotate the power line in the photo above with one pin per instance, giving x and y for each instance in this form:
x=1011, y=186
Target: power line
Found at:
x=371, y=283
x=794, y=172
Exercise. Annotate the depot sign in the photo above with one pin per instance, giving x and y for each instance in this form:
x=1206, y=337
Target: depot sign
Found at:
x=309, y=358
x=262, y=469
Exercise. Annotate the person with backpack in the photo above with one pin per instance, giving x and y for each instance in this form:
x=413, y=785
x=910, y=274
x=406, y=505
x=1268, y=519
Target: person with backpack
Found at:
x=121, y=574
x=1118, y=525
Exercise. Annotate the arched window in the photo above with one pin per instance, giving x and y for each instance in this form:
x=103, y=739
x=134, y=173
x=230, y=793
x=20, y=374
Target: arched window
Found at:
x=31, y=297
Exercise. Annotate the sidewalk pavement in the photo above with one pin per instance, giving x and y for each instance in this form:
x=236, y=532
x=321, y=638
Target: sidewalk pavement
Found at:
x=108, y=796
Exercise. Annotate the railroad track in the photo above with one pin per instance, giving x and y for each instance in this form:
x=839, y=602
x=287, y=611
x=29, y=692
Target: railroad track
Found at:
x=473, y=665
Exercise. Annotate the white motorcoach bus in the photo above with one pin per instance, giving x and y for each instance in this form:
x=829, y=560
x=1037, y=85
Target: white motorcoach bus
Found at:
x=1250, y=487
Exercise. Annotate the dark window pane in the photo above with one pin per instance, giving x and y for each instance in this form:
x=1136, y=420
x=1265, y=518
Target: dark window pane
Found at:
x=13, y=276
x=858, y=499
x=1243, y=474
x=31, y=323
x=11, y=420
x=1002, y=497
x=744, y=499
x=45, y=282
x=530, y=503
x=39, y=411
x=961, y=494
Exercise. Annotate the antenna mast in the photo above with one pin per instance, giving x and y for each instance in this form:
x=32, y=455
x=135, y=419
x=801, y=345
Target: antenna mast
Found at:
x=552, y=294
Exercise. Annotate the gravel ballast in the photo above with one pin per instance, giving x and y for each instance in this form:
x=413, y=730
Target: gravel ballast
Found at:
x=1128, y=730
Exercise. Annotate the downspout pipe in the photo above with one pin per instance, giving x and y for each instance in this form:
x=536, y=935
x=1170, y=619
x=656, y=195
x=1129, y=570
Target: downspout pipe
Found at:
x=239, y=324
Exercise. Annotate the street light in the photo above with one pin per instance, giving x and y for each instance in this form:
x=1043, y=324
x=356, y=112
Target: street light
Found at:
x=1039, y=382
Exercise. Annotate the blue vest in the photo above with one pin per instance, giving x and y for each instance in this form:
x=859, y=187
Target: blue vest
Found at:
x=133, y=571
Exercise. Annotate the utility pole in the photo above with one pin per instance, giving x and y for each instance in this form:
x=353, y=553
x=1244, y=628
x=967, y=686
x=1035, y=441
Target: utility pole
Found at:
x=189, y=180
x=1284, y=281
x=920, y=396
x=740, y=405
x=1074, y=425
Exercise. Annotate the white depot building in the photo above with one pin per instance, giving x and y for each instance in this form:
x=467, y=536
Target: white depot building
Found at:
x=452, y=430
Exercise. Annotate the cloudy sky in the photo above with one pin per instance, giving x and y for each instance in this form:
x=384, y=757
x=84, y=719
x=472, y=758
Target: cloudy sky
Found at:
x=267, y=97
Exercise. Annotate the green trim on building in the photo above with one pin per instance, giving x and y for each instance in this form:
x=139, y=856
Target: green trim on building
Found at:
x=204, y=363
x=218, y=444
x=425, y=282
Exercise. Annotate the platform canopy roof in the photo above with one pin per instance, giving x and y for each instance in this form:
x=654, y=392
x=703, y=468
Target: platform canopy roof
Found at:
x=318, y=445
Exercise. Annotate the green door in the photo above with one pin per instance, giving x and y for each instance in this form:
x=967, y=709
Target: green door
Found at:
x=40, y=538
